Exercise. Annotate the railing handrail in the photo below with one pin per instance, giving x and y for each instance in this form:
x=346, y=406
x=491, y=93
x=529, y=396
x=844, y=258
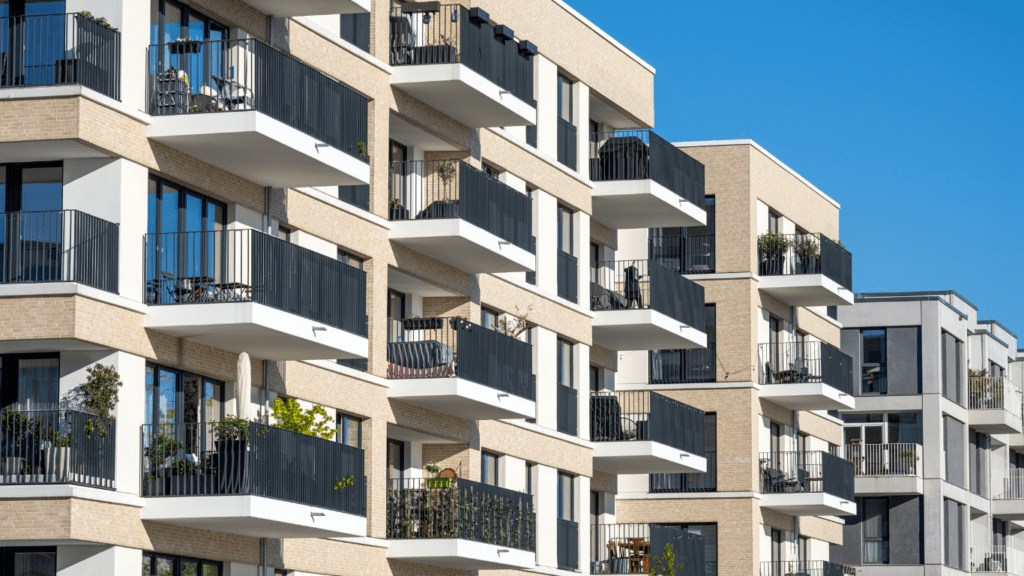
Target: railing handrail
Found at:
x=807, y=253
x=643, y=415
x=54, y=445
x=891, y=459
x=805, y=362
x=649, y=156
x=793, y=471
x=643, y=283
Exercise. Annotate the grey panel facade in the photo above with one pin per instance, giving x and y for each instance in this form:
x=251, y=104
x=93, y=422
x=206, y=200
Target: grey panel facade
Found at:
x=850, y=344
x=849, y=553
x=903, y=358
x=953, y=430
x=906, y=530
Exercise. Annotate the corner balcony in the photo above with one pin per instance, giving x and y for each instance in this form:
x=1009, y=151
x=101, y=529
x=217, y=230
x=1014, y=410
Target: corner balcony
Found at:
x=58, y=246
x=883, y=469
x=692, y=254
x=642, y=181
x=256, y=112
x=455, y=60
x=997, y=559
x=642, y=305
x=245, y=291
x=1008, y=504
x=806, y=376
x=805, y=568
x=994, y=406
x=805, y=270
x=293, y=8
x=458, y=214
x=461, y=525
x=56, y=447
x=455, y=367
x=807, y=484
x=641, y=432
x=627, y=549
x=253, y=480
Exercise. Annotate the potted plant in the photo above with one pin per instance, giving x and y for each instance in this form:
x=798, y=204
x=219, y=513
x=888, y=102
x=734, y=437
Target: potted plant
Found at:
x=446, y=170
x=183, y=46
x=361, y=150
x=772, y=247
x=436, y=483
x=100, y=390
x=807, y=254
x=14, y=428
x=397, y=210
x=231, y=454
x=162, y=454
x=101, y=21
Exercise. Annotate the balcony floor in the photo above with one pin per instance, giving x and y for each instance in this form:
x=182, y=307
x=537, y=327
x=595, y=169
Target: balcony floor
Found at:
x=885, y=485
x=637, y=329
x=628, y=204
x=261, y=331
x=253, y=516
x=460, y=554
x=292, y=8
x=807, y=396
x=461, y=398
x=462, y=245
x=258, y=148
x=646, y=457
x=463, y=94
x=806, y=290
x=996, y=421
x=809, y=504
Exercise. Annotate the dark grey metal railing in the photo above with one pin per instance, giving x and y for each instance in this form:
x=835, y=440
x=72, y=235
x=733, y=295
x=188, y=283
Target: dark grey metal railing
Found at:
x=639, y=415
x=567, y=407
x=250, y=266
x=240, y=458
x=803, y=362
x=568, y=276
x=795, y=254
x=438, y=189
x=685, y=255
x=426, y=33
x=640, y=284
x=794, y=472
x=193, y=77
x=568, y=144
x=356, y=195
x=57, y=447
x=692, y=482
x=681, y=366
x=58, y=246
x=567, y=535
x=60, y=49
x=531, y=136
x=643, y=155
x=805, y=567
x=631, y=548
x=449, y=347
x=462, y=509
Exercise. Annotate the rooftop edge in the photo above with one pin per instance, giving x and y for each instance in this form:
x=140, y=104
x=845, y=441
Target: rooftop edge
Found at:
x=912, y=294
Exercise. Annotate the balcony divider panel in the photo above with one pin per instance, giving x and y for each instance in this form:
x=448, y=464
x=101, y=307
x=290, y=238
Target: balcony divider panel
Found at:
x=684, y=254
x=681, y=366
x=567, y=143
x=643, y=155
x=54, y=446
x=567, y=410
x=568, y=276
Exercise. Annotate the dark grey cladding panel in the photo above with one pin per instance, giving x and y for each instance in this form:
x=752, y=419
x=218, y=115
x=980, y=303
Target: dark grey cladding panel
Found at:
x=906, y=530
x=850, y=344
x=955, y=451
x=849, y=553
x=903, y=358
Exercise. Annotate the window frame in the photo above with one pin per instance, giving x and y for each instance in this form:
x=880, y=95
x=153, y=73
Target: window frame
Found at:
x=14, y=183
x=565, y=218
x=178, y=561
x=342, y=421
x=487, y=457
x=179, y=394
x=566, y=480
x=9, y=364
x=565, y=345
x=7, y=556
x=881, y=366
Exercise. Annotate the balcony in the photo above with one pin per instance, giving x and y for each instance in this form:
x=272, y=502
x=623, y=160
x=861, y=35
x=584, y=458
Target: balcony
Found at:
x=453, y=366
x=293, y=8
x=805, y=270
x=641, y=305
x=994, y=406
x=805, y=568
x=58, y=246
x=253, y=480
x=642, y=181
x=883, y=469
x=997, y=559
x=684, y=254
x=681, y=366
x=245, y=291
x=56, y=447
x=255, y=111
x=1008, y=504
x=60, y=50
x=457, y=61
x=455, y=213
x=640, y=432
x=627, y=549
x=807, y=484
x=465, y=525
x=806, y=376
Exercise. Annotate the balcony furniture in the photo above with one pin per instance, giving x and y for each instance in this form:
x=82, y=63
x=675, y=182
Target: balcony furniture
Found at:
x=65, y=71
x=426, y=359
x=233, y=95
x=172, y=93
x=622, y=158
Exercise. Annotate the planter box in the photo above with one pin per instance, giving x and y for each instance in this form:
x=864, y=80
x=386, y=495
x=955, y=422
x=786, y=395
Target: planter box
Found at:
x=232, y=467
x=398, y=213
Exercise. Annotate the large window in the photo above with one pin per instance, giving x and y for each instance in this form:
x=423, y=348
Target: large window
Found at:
x=175, y=397
x=170, y=20
x=30, y=381
x=23, y=561
x=167, y=565
x=565, y=229
x=355, y=29
x=565, y=497
x=174, y=208
x=489, y=468
x=396, y=463
x=873, y=368
x=350, y=430
x=564, y=98
x=876, y=530
x=565, y=363
x=32, y=187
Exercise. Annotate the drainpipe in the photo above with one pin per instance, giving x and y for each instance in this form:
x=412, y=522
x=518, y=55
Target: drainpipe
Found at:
x=263, y=557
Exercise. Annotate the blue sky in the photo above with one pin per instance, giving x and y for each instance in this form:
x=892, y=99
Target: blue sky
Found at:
x=910, y=114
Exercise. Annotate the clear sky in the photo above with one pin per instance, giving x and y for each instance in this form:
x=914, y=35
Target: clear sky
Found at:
x=910, y=114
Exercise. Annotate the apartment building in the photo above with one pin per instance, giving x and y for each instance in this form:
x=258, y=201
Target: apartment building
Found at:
x=387, y=211
x=935, y=437
x=770, y=381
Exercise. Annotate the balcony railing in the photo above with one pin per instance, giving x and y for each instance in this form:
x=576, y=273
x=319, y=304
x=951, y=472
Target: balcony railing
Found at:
x=805, y=362
x=567, y=538
x=568, y=276
x=994, y=394
x=684, y=254
x=195, y=77
x=58, y=246
x=640, y=415
x=795, y=254
x=641, y=284
x=453, y=34
x=682, y=366
x=998, y=558
x=567, y=407
x=805, y=568
x=628, y=549
x=643, y=155
x=461, y=509
x=1013, y=486
x=57, y=447
x=882, y=459
x=439, y=189
x=796, y=472
x=237, y=458
x=250, y=266
x=691, y=482
x=567, y=143
x=60, y=49
x=453, y=347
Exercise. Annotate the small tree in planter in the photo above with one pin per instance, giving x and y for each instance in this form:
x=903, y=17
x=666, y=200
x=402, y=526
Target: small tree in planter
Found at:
x=772, y=247
x=312, y=422
x=664, y=564
x=397, y=210
x=100, y=389
x=808, y=253
x=231, y=447
x=162, y=455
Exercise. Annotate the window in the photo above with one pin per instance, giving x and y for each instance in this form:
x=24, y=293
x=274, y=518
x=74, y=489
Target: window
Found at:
x=24, y=561
x=350, y=430
x=565, y=496
x=876, y=530
x=565, y=363
x=952, y=368
x=529, y=478
x=355, y=29
x=565, y=229
x=489, y=318
x=29, y=381
x=595, y=378
x=564, y=98
x=175, y=397
x=595, y=507
x=166, y=565
x=873, y=369
x=396, y=463
x=31, y=7
x=350, y=259
x=170, y=20
x=36, y=187
x=489, y=468
x=490, y=170
x=284, y=233
x=774, y=222
x=174, y=208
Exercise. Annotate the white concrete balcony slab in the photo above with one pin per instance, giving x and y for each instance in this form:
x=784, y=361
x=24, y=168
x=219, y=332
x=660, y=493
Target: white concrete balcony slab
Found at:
x=994, y=406
x=462, y=245
x=460, y=554
x=996, y=421
x=886, y=485
x=805, y=376
x=806, y=290
x=292, y=8
x=807, y=396
x=463, y=94
x=627, y=204
x=632, y=457
x=1014, y=441
x=1008, y=508
x=462, y=399
x=809, y=504
x=807, y=484
x=805, y=270
x=644, y=330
